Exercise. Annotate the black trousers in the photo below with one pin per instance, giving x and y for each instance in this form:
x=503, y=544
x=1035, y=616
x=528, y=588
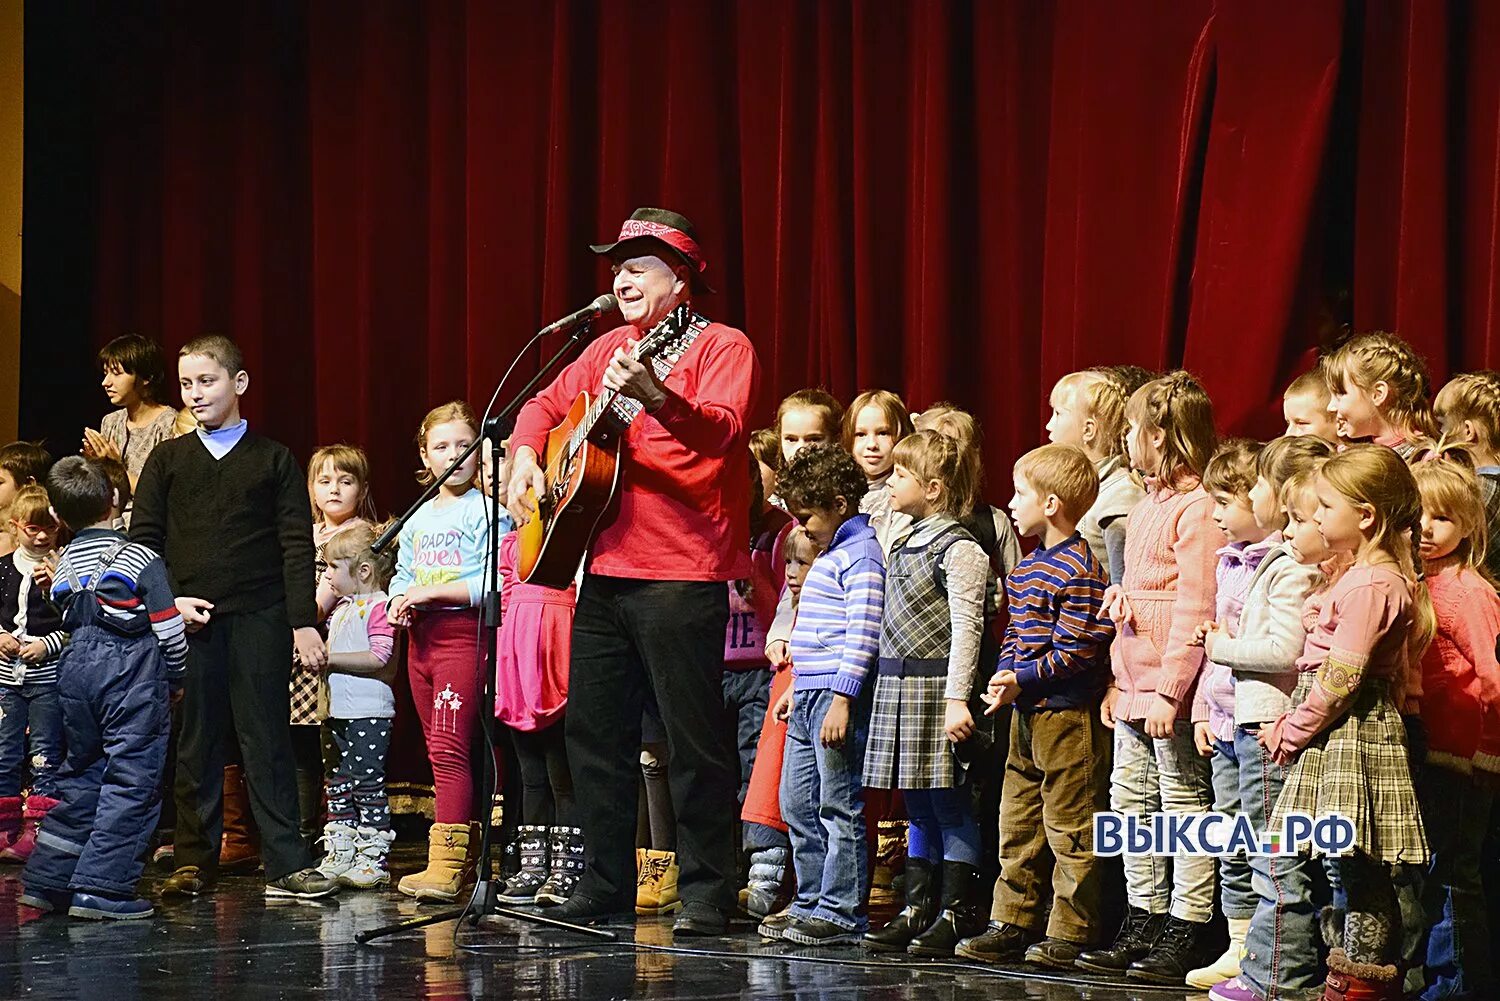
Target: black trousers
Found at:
x=238, y=669
x=546, y=780
x=629, y=635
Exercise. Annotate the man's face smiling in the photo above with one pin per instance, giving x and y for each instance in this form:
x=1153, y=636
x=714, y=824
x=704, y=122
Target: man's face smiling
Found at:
x=648, y=289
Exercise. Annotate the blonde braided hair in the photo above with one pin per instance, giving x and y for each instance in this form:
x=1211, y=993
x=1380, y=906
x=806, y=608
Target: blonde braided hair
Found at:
x=1384, y=357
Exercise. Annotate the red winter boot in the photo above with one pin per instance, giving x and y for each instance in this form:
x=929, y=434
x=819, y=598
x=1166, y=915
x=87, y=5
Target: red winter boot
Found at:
x=1351, y=981
x=19, y=850
x=10, y=820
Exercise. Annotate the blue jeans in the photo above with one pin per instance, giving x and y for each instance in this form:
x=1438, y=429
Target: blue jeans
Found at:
x=33, y=708
x=1458, y=942
x=1235, y=893
x=822, y=802
x=943, y=827
x=1281, y=952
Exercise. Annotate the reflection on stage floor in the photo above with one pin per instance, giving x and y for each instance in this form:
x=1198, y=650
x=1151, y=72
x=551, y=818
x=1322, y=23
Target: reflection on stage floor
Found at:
x=236, y=944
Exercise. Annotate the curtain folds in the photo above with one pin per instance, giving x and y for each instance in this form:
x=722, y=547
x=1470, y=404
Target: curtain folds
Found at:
x=956, y=200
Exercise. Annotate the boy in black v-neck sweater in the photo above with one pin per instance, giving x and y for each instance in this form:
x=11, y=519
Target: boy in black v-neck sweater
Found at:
x=228, y=511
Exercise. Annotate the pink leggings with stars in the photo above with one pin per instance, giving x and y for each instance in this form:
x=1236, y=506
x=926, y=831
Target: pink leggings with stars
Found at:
x=442, y=663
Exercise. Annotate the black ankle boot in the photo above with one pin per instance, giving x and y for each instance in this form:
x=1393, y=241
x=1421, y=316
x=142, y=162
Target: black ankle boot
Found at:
x=920, y=912
x=1136, y=937
x=1176, y=952
x=961, y=917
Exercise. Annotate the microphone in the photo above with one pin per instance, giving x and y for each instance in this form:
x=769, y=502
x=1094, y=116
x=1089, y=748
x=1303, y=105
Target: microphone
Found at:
x=604, y=304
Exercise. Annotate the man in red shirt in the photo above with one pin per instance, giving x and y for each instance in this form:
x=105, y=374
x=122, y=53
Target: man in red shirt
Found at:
x=653, y=605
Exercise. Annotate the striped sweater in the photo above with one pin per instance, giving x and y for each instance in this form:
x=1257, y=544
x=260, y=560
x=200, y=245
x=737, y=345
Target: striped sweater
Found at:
x=134, y=587
x=1057, y=640
x=836, y=639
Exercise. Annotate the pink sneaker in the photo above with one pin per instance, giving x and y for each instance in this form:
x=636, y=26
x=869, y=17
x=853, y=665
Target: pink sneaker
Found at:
x=1235, y=989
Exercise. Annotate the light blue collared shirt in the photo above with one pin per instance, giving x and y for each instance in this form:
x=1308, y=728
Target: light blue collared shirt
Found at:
x=221, y=441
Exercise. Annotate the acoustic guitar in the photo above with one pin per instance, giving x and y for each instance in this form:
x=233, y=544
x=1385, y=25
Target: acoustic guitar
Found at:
x=582, y=469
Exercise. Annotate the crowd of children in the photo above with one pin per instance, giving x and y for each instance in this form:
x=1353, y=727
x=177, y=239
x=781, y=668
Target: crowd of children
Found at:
x=1304, y=626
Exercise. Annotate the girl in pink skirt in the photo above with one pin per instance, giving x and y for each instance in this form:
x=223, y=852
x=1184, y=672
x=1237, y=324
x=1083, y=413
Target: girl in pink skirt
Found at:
x=531, y=691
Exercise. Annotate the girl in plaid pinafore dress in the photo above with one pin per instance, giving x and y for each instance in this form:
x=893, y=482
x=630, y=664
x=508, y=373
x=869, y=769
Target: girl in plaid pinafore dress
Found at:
x=938, y=585
x=1345, y=740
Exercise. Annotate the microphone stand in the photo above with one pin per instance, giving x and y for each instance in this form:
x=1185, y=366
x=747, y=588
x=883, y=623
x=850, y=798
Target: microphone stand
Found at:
x=483, y=902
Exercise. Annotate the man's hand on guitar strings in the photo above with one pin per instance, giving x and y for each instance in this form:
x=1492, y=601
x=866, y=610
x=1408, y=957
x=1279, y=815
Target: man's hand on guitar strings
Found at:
x=634, y=380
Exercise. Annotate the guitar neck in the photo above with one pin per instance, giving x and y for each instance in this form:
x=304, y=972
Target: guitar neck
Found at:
x=644, y=349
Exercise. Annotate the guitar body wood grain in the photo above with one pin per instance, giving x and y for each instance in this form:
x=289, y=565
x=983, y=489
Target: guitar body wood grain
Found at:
x=553, y=544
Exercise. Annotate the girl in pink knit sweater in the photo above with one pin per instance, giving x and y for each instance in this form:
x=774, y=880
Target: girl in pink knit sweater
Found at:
x=1171, y=550
x=1461, y=704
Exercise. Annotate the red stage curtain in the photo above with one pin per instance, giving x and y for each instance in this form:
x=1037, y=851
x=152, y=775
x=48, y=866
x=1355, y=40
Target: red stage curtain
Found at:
x=956, y=200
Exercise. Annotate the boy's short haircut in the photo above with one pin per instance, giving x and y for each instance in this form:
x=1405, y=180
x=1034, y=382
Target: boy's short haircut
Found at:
x=218, y=347
x=32, y=507
x=1475, y=397
x=80, y=492
x=817, y=475
x=1310, y=383
x=1233, y=470
x=25, y=461
x=1062, y=471
x=119, y=478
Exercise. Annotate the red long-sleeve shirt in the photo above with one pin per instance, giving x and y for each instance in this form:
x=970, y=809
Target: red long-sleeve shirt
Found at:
x=684, y=494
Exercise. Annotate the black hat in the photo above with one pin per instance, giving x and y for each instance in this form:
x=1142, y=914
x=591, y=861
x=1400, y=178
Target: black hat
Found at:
x=661, y=228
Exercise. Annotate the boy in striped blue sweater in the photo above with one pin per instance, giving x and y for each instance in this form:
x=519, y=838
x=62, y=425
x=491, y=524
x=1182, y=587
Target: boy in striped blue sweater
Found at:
x=834, y=646
x=127, y=649
x=1053, y=665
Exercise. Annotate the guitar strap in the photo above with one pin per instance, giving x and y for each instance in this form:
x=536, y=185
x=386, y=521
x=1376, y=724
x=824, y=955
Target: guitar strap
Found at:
x=623, y=411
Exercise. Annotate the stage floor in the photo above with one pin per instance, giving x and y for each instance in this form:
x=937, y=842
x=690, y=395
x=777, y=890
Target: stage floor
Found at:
x=235, y=944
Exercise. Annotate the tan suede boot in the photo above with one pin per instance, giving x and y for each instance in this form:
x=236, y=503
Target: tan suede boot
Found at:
x=449, y=863
x=656, y=884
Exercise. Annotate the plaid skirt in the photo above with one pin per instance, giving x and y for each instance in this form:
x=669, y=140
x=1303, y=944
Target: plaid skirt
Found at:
x=304, y=696
x=1358, y=769
x=907, y=748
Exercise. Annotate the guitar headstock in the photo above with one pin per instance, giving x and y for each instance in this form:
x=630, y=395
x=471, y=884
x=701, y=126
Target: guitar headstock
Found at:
x=651, y=345
x=661, y=337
